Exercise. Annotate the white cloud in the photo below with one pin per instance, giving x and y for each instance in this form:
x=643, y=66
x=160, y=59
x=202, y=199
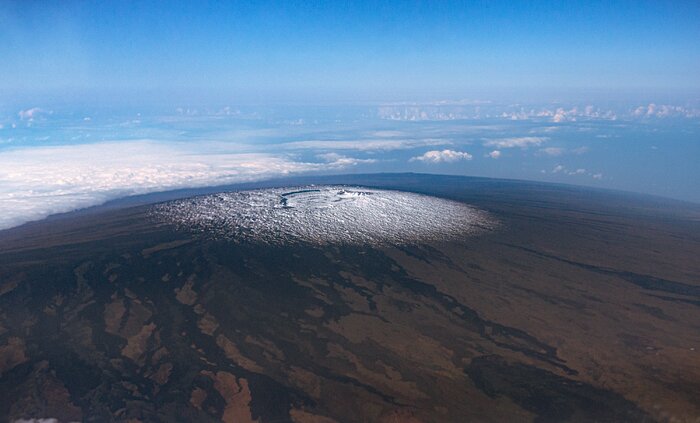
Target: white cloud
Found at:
x=495, y=154
x=30, y=114
x=580, y=150
x=444, y=156
x=39, y=181
x=364, y=145
x=665, y=110
x=421, y=113
x=560, y=116
x=519, y=142
x=552, y=151
x=580, y=171
x=338, y=160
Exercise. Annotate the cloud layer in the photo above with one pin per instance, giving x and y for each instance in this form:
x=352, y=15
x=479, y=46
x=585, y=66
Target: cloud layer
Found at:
x=37, y=182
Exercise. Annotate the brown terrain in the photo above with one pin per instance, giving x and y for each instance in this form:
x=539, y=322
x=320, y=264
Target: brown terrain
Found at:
x=579, y=306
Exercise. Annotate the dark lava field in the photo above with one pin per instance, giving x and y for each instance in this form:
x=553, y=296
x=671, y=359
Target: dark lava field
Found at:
x=578, y=305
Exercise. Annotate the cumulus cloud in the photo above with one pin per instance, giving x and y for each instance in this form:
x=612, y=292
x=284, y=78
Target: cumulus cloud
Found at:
x=559, y=114
x=30, y=114
x=664, y=111
x=552, y=112
x=444, y=156
x=364, y=144
x=494, y=154
x=39, y=181
x=422, y=113
x=561, y=169
x=517, y=142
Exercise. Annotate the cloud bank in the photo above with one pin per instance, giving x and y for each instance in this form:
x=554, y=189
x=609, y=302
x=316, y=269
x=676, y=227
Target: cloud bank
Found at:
x=36, y=182
x=446, y=110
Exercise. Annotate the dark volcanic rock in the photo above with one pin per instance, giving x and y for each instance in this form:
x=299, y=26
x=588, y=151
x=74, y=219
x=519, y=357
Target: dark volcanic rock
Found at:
x=551, y=397
x=578, y=306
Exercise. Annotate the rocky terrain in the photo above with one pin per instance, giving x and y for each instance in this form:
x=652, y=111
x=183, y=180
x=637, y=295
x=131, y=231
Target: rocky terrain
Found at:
x=579, y=305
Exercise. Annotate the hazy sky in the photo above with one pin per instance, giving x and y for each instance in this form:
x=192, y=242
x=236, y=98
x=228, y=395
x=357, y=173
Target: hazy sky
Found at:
x=346, y=50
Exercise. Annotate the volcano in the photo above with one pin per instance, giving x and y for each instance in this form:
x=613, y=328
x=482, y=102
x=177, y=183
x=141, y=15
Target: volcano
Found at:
x=388, y=298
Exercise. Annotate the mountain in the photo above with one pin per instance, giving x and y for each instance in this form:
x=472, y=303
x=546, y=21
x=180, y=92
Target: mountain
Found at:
x=571, y=304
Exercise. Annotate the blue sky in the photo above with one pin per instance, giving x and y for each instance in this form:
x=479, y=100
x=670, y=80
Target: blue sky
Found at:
x=100, y=100
x=346, y=51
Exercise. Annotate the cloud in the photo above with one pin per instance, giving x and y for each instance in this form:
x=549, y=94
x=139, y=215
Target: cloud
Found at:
x=494, y=154
x=559, y=114
x=30, y=114
x=39, y=181
x=664, y=111
x=579, y=171
x=422, y=113
x=519, y=142
x=552, y=112
x=444, y=156
x=338, y=160
x=552, y=151
x=364, y=145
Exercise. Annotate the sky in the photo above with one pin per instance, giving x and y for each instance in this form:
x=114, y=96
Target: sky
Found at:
x=344, y=51
x=100, y=100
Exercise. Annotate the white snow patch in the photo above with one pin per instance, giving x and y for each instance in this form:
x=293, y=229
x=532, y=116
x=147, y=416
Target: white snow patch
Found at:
x=325, y=215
